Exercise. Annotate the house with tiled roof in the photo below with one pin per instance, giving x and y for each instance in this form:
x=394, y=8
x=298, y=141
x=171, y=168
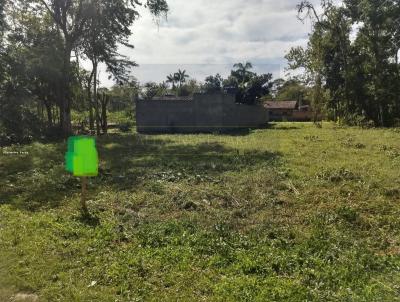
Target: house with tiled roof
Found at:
x=288, y=111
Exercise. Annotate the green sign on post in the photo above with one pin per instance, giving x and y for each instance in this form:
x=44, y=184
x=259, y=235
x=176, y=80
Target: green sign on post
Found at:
x=82, y=160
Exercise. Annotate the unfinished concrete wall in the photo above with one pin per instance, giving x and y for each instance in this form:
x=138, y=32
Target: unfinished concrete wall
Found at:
x=205, y=113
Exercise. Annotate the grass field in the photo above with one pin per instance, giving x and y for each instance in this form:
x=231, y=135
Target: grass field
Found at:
x=290, y=213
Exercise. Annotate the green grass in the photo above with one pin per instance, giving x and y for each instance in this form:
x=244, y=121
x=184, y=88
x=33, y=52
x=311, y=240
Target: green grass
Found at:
x=290, y=213
x=114, y=117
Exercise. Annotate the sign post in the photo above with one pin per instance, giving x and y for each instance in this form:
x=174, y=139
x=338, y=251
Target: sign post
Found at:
x=82, y=161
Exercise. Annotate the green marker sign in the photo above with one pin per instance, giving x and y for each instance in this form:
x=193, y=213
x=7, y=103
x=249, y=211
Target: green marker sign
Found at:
x=81, y=158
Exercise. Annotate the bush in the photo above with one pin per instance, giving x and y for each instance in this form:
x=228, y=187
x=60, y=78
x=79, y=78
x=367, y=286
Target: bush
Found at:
x=19, y=125
x=396, y=123
x=125, y=127
x=357, y=120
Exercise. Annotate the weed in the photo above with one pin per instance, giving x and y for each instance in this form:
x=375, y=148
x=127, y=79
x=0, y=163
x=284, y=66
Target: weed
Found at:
x=337, y=175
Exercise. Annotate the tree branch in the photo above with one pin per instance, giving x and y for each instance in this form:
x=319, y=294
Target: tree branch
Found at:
x=306, y=5
x=50, y=12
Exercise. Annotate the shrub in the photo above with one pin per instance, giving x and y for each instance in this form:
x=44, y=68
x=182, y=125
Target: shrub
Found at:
x=357, y=120
x=125, y=127
x=19, y=125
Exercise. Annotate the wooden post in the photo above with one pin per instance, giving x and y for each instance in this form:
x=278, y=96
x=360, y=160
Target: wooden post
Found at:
x=83, y=196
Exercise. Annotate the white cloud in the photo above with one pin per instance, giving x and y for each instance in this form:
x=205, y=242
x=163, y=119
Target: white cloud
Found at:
x=210, y=35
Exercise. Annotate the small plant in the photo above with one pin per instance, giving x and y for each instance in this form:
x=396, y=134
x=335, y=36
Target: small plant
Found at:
x=311, y=138
x=350, y=143
x=348, y=214
x=390, y=151
x=337, y=175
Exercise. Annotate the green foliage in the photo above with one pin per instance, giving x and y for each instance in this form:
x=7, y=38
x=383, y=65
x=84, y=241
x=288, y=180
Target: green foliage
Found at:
x=107, y=28
x=180, y=77
x=356, y=80
x=292, y=89
x=35, y=57
x=151, y=89
x=19, y=119
x=249, y=86
x=122, y=97
x=172, y=79
x=257, y=87
x=213, y=83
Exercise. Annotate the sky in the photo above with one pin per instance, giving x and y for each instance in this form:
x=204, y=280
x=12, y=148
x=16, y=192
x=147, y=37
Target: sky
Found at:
x=206, y=37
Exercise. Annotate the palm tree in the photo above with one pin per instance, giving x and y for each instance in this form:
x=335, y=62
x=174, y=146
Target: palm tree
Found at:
x=181, y=77
x=172, y=80
x=241, y=71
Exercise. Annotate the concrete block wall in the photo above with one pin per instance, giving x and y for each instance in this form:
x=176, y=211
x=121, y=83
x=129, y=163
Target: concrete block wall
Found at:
x=205, y=113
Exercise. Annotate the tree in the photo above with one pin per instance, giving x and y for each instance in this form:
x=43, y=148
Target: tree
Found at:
x=108, y=25
x=172, y=79
x=312, y=58
x=151, y=89
x=276, y=86
x=181, y=77
x=249, y=86
x=104, y=98
x=189, y=88
x=30, y=66
x=355, y=80
x=43, y=64
x=73, y=19
x=377, y=40
x=213, y=83
x=123, y=96
x=3, y=23
x=242, y=72
x=292, y=89
x=230, y=82
x=257, y=87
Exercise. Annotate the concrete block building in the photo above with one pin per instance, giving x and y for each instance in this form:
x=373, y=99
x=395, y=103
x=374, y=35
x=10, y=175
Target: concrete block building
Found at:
x=217, y=112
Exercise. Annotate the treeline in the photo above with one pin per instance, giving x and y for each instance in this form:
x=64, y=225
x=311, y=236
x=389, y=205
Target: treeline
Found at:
x=248, y=86
x=352, y=60
x=42, y=44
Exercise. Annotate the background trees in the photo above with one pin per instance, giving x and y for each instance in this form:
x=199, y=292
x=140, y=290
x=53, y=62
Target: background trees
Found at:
x=151, y=89
x=213, y=83
x=249, y=86
x=181, y=77
x=292, y=89
x=171, y=79
x=40, y=74
x=242, y=72
x=351, y=60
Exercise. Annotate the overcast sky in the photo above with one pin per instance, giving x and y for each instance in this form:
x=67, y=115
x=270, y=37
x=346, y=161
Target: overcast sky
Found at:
x=208, y=36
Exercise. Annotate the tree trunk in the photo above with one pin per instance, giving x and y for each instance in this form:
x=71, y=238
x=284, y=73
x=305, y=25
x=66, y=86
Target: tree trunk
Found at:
x=65, y=95
x=95, y=101
x=91, y=117
x=89, y=95
x=104, y=103
x=54, y=113
x=317, y=96
x=47, y=104
x=41, y=109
